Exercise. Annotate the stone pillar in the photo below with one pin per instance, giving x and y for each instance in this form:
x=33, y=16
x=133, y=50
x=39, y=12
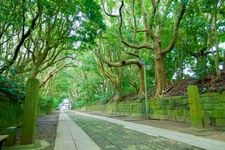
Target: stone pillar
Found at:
x=195, y=109
x=29, y=118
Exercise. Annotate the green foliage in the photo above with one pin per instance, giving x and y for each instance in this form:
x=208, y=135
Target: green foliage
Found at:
x=10, y=114
x=88, y=90
x=94, y=20
x=47, y=103
x=62, y=85
x=63, y=24
x=11, y=89
x=103, y=98
x=79, y=104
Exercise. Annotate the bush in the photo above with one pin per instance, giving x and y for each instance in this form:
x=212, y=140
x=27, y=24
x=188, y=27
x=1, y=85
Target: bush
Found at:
x=46, y=104
x=79, y=104
x=11, y=89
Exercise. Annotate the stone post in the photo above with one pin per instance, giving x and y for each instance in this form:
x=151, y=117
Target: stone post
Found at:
x=29, y=118
x=195, y=109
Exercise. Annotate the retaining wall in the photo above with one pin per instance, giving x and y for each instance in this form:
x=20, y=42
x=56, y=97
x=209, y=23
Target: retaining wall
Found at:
x=171, y=108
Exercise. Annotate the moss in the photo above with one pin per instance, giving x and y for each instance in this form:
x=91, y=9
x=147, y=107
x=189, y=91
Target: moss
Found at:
x=207, y=106
x=180, y=118
x=31, y=101
x=159, y=112
x=218, y=113
x=156, y=116
x=179, y=112
x=195, y=109
x=220, y=122
x=39, y=145
x=172, y=108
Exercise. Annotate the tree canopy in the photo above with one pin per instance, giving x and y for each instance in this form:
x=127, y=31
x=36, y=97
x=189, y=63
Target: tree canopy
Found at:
x=109, y=50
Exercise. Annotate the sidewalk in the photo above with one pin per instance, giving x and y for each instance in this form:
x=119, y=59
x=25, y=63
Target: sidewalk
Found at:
x=197, y=141
x=71, y=137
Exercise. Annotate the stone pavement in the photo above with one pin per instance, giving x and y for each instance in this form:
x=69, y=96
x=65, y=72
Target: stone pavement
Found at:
x=71, y=137
x=196, y=141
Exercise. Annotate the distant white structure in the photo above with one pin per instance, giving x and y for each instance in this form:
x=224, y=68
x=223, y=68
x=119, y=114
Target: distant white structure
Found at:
x=66, y=104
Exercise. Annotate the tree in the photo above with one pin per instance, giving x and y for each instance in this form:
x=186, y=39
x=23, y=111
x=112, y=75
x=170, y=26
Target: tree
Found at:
x=19, y=25
x=200, y=34
x=152, y=20
x=127, y=62
x=44, y=33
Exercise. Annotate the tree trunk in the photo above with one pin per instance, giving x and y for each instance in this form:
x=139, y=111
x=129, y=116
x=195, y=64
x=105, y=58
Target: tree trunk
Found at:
x=117, y=97
x=202, y=68
x=216, y=41
x=224, y=61
x=216, y=54
x=160, y=75
x=142, y=81
x=217, y=63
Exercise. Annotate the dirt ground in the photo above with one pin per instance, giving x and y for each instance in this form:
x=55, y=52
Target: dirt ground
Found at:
x=206, y=84
x=46, y=127
x=211, y=133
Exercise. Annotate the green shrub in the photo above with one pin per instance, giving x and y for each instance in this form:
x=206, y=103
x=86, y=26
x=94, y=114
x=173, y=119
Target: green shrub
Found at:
x=13, y=90
x=46, y=104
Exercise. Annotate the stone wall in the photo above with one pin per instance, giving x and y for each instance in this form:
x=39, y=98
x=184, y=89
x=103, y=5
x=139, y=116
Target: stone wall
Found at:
x=213, y=106
x=171, y=108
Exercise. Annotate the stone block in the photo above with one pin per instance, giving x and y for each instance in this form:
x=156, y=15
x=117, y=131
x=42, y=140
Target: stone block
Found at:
x=220, y=122
x=178, y=112
x=204, y=99
x=29, y=119
x=156, y=116
x=180, y=119
x=207, y=106
x=159, y=112
x=195, y=108
x=186, y=113
x=218, y=113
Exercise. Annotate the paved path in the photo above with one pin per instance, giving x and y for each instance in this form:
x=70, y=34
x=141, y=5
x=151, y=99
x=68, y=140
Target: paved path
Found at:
x=71, y=137
x=196, y=141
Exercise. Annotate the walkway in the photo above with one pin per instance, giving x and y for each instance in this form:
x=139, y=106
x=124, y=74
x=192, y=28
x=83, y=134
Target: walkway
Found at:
x=177, y=136
x=71, y=137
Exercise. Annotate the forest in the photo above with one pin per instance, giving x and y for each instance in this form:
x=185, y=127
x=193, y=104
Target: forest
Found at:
x=107, y=51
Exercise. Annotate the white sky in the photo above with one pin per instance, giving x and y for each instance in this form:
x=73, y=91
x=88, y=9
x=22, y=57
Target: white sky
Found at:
x=222, y=45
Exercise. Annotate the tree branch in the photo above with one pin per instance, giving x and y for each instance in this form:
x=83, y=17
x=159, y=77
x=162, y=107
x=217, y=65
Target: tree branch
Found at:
x=120, y=63
x=23, y=38
x=175, y=30
x=121, y=19
x=52, y=74
x=108, y=14
x=137, y=46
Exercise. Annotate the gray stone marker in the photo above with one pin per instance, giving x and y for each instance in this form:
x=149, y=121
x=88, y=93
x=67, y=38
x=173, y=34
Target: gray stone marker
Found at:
x=29, y=118
x=195, y=109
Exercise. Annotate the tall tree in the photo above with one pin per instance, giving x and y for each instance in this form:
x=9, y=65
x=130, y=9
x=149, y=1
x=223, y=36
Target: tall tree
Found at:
x=16, y=22
x=152, y=19
x=44, y=31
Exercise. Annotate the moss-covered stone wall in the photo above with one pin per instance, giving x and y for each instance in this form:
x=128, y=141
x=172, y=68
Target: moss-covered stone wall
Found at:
x=171, y=108
x=213, y=106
